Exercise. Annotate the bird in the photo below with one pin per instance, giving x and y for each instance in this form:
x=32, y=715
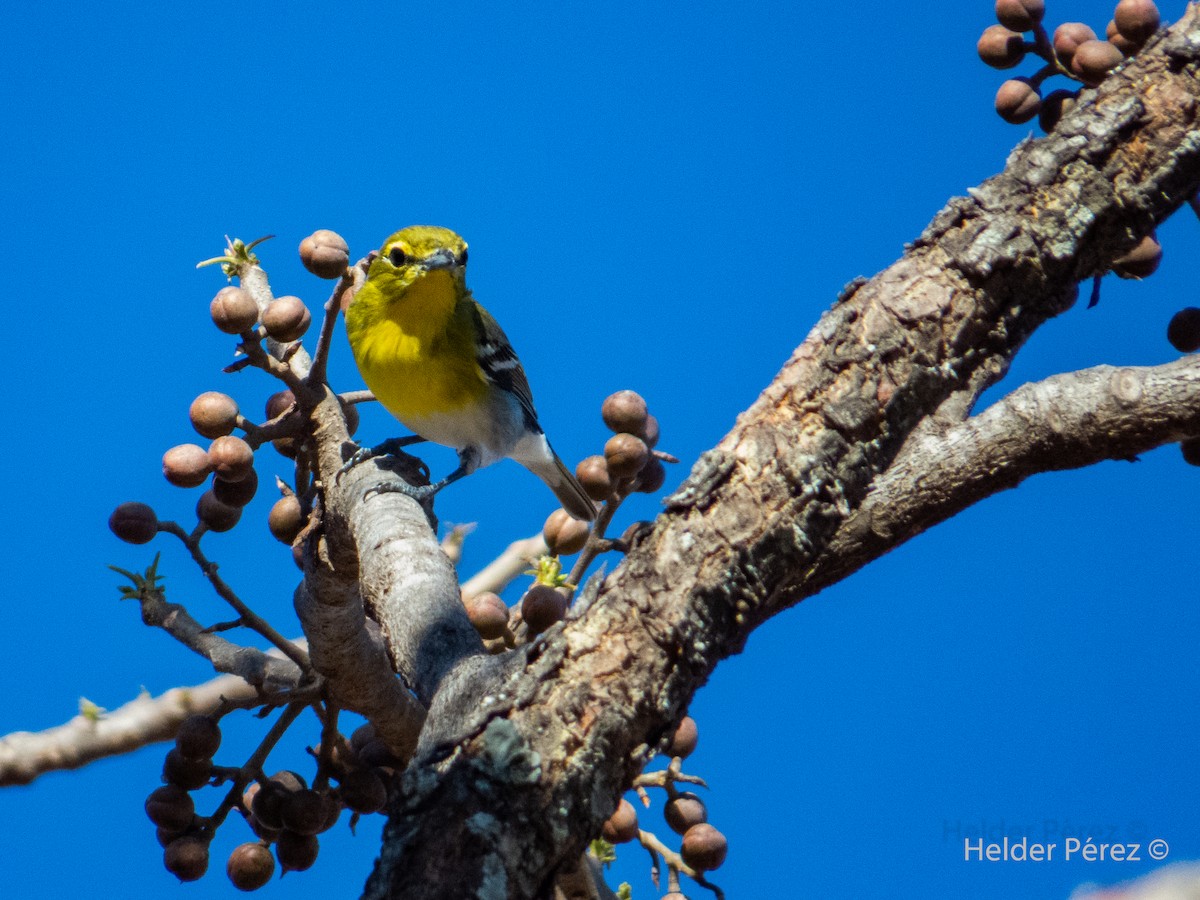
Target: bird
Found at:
x=441, y=365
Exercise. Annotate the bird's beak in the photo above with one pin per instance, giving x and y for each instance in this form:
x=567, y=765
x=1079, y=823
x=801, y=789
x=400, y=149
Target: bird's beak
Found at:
x=440, y=259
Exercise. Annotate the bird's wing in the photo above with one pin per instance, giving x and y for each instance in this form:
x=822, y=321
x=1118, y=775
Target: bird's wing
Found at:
x=499, y=364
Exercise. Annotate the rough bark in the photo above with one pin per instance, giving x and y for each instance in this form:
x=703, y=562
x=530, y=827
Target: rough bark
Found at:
x=532, y=754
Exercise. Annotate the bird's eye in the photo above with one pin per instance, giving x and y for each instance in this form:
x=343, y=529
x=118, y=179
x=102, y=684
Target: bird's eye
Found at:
x=397, y=256
x=461, y=259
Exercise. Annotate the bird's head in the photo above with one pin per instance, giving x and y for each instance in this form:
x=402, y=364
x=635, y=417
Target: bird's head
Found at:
x=416, y=252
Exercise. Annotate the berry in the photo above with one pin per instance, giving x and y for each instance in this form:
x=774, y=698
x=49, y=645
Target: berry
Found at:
x=213, y=414
x=189, y=774
x=286, y=519
x=488, y=614
x=563, y=534
x=1017, y=101
x=304, y=811
x=1000, y=48
x=325, y=254
x=297, y=852
x=685, y=738
x=250, y=866
x=704, y=847
x=216, y=515
x=266, y=805
x=198, y=737
x=594, y=478
x=236, y=493
x=361, y=736
x=1068, y=37
x=625, y=454
x=187, y=858
x=134, y=523
x=541, y=607
x=278, y=404
x=170, y=807
x=1136, y=20
x=622, y=825
x=1142, y=261
x=624, y=411
x=233, y=310
x=650, y=432
x=652, y=477
x=1183, y=331
x=363, y=791
x=232, y=458
x=1020, y=15
x=1094, y=59
x=684, y=811
x=286, y=319
x=186, y=465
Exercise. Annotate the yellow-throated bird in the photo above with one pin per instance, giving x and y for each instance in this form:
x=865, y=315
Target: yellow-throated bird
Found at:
x=440, y=364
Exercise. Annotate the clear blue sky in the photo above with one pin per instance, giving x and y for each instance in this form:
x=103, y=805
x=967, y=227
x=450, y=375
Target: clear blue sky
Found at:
x=663, y=199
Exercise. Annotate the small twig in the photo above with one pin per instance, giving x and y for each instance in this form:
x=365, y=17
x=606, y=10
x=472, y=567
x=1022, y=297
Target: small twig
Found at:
x=316, y=374
x=222, y=626
x=356, y=397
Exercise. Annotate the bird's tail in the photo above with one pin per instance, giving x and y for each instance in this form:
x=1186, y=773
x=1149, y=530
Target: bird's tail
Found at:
x=560, y=480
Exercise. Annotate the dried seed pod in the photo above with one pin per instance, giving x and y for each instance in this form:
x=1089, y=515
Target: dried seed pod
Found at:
x=186, y=858
x=186, y=465
x=622, y=825
x=683, y=811
x=363, y=791
x=325, y=253
x=232, y=458
x=233, y=310
x=1067, y=38
x=1183, y=331
x=198, y=737
x=652, y=477
x=1017, y=101
x=1142, y=261
x=286, y=319
x=1020, y=15
x=1000, y=47
x=1094, y=59
x=1136, y=20
x=563, y=534
x=250, y=866
x=297, y=852
x=213, y=414
x=134, y=523
x=278, y=404
x=189, y=774
x=236, y=493
x=303, y=811
x=541, y=607
x=625, y=454
x=286, y=519
x=488, y=614
x=704, y=847
x=594, y=478
x=624, y=411
x=170, y=807
x=216, y=515
x=685, y=738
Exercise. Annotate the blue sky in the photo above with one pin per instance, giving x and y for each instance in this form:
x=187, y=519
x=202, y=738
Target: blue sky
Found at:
x=660, y=199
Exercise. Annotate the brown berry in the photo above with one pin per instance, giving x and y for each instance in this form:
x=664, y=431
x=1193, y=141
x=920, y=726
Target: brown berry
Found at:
x=1017, y=101
x=704, y=847
x=186, y=465
x=266, y=805
x=1067, y=38
x=216, y=515
x=361, y=736
x=563, y=534
x=189, y=774
x=286, y=319
x=233, y=310
x=213, y=414
x=1094, y=59
x=1055, y=105
x=250, y=866
x=232, y=458
x=593, y=477
x=278, y=404
x=541, y=607
x=685, y=738
x=134, y=523
x=622, y=825
x=236, y=493
x=1183, y=331
x=325, y=253
x=375, y=753
x=198, y=737
x=363, y=791
x=1136, y=20
x=1191, y=451
x=304, y=811
x=187, y=858
x=1020, y=15
x=684, y=811
x=652, y=477
x=489, y=614
x=624, y=411
x=297, y=852
x=649, y=433
x=289, y=780
x=1142, y=261
x=286, y=519
x=170, y=807
x=625, y=454
x=1000, y=48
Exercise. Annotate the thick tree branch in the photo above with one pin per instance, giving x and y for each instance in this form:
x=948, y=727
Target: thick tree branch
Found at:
x=530, y=775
